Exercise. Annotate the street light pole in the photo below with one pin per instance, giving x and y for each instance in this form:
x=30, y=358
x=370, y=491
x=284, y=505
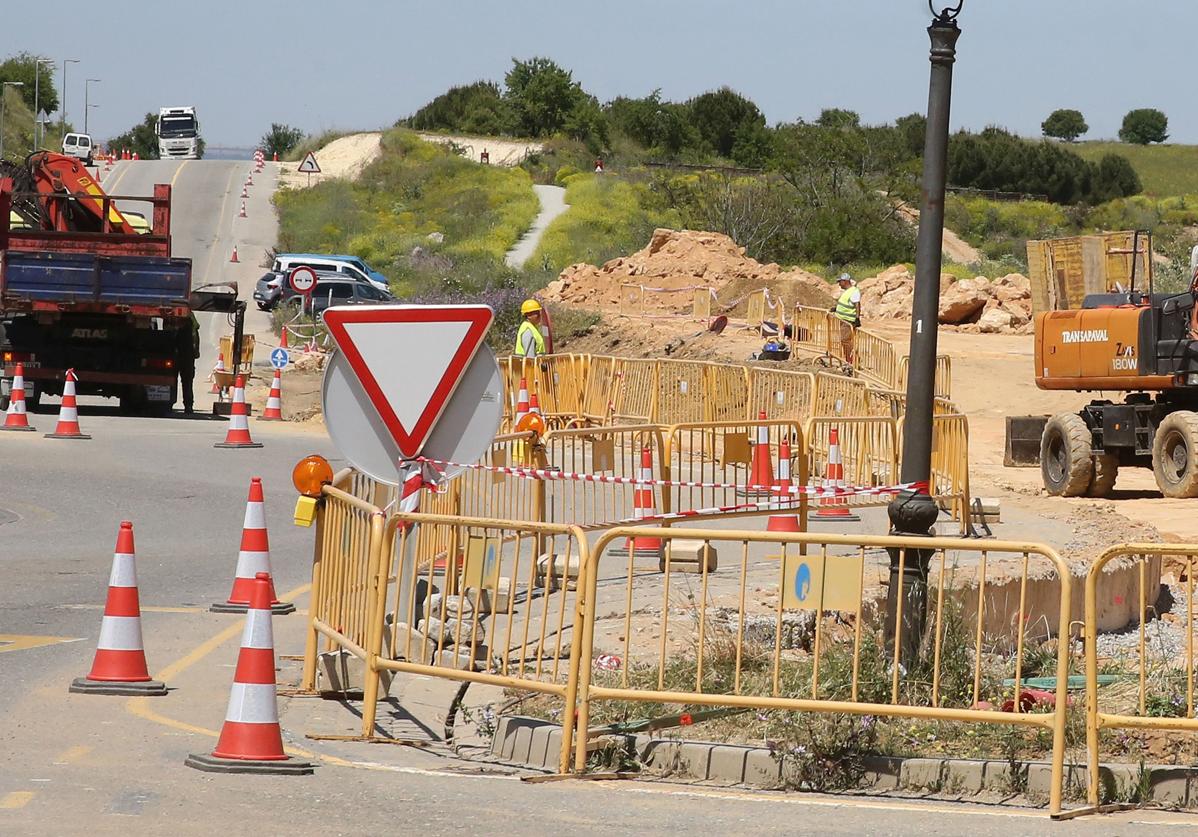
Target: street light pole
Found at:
x=65, y=61
x=86, y=100
x=913, y=512
x=2, y=98
x=37, y=120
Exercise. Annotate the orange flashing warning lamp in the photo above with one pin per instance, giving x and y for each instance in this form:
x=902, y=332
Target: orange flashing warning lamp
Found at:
x=533, y=422
x=309, y=475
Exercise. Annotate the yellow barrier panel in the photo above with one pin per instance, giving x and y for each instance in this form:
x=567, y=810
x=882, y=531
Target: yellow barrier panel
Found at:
x=722, y=452
x=1162, y=697
x=755, y=315
x=874, y=357
x=944, y=375
x=635, y=393
x=701, y=306
x=728, y=391
x=611, y=451
x=682, y=391
x=743, y=629
x=598, y=399
x=836, y=395
x=816, y=330
x=950, y=465
x=869, y=452
x=782, y=394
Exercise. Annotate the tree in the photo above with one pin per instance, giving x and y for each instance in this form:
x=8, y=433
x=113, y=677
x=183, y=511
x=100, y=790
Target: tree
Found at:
x=141, y=138
x=838, y=118
x=1066, y=124
x=280, y=139
x=542, y=95
x=654, y=124
x=914, y=129
x=719, y=114
x=1115, y=178
x=476, y=108
x=1143, y=126
x=21, y=67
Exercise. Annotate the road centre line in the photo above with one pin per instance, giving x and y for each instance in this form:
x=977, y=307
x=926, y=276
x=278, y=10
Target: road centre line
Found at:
x=220, y=219
x=14, y=800
x=72, y=755
x=22, y=642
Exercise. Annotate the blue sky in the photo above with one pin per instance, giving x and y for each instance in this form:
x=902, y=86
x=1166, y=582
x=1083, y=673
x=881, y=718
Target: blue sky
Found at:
x=353, y=64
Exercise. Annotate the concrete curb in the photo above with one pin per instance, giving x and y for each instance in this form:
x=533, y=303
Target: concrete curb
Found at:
x=535, y=743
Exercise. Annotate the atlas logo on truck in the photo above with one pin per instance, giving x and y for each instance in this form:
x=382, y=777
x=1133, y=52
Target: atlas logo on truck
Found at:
x=178, y=134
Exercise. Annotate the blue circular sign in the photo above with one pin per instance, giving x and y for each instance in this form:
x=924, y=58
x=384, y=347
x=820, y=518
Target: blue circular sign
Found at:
x=279, y=358
x=803, y=582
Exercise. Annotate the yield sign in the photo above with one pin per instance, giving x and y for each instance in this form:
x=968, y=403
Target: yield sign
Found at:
x=409, y=359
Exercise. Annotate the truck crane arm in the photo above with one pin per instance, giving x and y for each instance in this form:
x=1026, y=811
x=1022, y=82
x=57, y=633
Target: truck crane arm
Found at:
x=60, y=195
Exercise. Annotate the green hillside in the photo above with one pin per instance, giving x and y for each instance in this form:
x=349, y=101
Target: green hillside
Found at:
x=1163, y=169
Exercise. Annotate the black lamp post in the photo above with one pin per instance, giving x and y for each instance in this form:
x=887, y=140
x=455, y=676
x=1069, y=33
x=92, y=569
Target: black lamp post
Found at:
x=913, y=512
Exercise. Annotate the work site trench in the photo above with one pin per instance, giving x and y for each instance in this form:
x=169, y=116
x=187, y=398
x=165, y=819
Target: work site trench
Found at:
x=767, y=659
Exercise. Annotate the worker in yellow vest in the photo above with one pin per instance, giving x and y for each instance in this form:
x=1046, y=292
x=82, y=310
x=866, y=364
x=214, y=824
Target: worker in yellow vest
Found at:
x=530, y=343
x=848, y=311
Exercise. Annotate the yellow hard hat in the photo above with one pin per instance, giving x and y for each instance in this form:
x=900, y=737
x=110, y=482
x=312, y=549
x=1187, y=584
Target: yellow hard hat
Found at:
x=529, y=306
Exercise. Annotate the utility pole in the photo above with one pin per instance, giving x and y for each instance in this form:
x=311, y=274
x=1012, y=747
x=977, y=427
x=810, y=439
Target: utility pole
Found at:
x=65, y=61
x=2, y=97
x=913, y=512
x=87, y=106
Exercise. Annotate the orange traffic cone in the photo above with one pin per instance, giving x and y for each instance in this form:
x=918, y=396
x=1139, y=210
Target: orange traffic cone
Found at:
x=253, y=558
x=834, y=508
x=783, y=522
x=233, y=258
x=251, y=740
x=762, y=472
x=274, y=158
x=220, y=367
x=119, y=667
x=521, y=403
x=239, y=426
x=283, y=339
x=249, y=179
x=68, y=413
x=274, y=402
x=244, y=192
x=643, y=506
x=242, y=214
x=16, y=418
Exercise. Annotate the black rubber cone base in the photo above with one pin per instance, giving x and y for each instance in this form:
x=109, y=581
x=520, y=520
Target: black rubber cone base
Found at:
x=143, y=688
x=833, y=518
x=280, y=609
x=214, y=764
x=66, y=436
x=243, y=445
x=18, y=429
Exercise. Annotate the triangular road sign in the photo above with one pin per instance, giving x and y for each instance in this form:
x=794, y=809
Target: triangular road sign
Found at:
x=309, y=164
x=409, y=359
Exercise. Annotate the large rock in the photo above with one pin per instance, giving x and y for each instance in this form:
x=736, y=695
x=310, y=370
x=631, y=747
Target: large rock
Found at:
x=996, y=321
x=963, y=301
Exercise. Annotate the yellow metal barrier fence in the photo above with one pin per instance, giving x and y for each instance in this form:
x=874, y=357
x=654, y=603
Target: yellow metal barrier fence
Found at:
x=783, y=395
x=869, y=452
x=1159, y=694
x=733, y=623
x=836, y=395
x=634, y=396
x=944, y=375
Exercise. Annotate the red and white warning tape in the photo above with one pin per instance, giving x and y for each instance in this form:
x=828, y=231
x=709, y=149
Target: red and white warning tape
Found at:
x=566, y=476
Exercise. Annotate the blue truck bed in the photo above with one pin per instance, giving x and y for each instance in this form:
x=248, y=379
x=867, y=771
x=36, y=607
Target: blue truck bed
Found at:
x=86, y=278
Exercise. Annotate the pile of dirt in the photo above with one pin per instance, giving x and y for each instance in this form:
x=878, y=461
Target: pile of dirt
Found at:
x=675, y=264
x=989, y=306
x=344, y=157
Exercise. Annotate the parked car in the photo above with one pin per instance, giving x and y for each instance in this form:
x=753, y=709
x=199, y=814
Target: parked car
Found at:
x=333, y=290
x=78, y=145
x=349, y=265
x=268, y=290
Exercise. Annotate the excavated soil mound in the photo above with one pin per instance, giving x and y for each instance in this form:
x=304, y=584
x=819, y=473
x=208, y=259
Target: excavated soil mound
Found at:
x=989, y=306
x=680, y=261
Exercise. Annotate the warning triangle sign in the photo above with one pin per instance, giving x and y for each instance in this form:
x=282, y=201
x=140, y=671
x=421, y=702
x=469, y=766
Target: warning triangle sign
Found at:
x=409, y=359
x=309, y=164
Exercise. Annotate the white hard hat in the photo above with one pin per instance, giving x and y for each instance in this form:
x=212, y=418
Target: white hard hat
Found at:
x=844, y=277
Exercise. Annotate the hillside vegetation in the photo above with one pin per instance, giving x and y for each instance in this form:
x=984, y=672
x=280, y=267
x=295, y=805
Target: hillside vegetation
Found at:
x=1164, y=170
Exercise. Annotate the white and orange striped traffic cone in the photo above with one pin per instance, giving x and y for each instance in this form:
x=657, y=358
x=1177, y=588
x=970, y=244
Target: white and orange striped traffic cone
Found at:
x=274, y=402
x=238, y=435
x=233, y=258
x=521, y=403
x=762, y=471
x=643, y=505
x=119, y=667
x=16, y=418
x=834, y=508
x=68, y=413
x=253, y=557
x=242, y=214
x=244, y=192
x=251, y=740
x=782, y=486
x=220, y=367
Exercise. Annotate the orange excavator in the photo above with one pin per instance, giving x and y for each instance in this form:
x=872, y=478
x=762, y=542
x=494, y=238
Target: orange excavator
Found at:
x=57, y=193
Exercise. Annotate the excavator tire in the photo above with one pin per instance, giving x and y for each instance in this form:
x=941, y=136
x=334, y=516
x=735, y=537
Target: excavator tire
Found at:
x=1065, y=461
x=1175, y=455
x=1106, y=471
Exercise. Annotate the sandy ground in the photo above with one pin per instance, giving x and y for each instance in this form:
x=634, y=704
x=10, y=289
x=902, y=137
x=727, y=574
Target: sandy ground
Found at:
x=502, y=152
x=953, y=246
x=344, y=157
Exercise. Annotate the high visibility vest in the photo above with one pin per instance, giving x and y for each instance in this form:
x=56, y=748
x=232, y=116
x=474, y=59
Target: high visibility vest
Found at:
x=845, y=309
x=538, y=339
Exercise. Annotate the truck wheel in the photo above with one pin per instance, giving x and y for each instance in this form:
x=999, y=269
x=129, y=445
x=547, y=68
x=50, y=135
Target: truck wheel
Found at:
x=1065, y=461
x=1106, y=471
x=1175, y=455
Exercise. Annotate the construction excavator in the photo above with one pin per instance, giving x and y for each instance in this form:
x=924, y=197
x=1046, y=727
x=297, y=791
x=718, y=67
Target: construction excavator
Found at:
x=1138, y=345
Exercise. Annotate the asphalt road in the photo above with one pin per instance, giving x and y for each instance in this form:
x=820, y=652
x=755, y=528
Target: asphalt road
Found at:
x=110, y=765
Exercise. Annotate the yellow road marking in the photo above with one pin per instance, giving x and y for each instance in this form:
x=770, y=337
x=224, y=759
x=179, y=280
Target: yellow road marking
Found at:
x=19, y=642
x=216, y=238
x=179, y=171
x=109, y=188
x=73, y=755
x=16, y=799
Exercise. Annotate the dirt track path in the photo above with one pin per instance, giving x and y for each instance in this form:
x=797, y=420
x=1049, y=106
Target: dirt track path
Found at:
x=553, y=204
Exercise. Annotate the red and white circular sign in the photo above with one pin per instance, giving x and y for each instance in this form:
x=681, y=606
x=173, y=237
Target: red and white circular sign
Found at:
x=302, y=280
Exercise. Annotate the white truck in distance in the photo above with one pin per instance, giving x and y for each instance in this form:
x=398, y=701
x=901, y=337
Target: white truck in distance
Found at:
x=178, y=134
